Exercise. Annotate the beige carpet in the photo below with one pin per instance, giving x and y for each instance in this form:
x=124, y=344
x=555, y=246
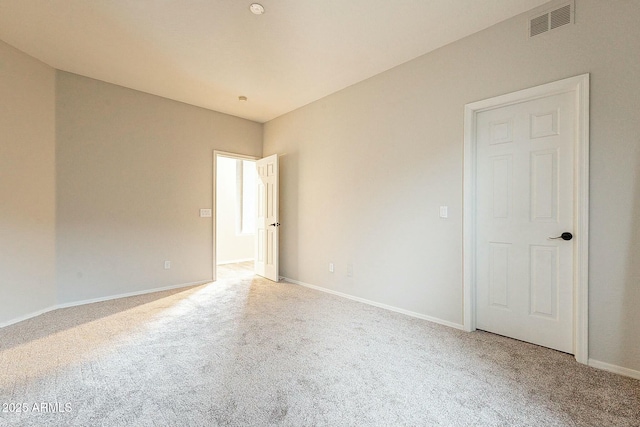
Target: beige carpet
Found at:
x=248, y=352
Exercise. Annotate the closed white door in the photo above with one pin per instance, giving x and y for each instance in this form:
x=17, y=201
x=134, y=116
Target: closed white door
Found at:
x=525, y=193
x=266, y=254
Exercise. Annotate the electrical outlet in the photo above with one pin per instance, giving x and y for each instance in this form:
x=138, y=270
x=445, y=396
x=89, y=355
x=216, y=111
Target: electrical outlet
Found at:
x=205, y=213
x=331, y=269
x=167, y=265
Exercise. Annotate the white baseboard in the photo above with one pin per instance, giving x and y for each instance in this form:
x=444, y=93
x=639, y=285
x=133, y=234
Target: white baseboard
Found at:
x=130, y=294
x=27, y=316
x=235, y=261
x=593, y=363
x=100, y=299
x=627, y=372
x=615, y=369
x=376, y=304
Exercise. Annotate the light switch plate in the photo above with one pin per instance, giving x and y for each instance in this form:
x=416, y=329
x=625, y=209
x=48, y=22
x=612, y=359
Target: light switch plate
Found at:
x=444, y=212
x=205, y=213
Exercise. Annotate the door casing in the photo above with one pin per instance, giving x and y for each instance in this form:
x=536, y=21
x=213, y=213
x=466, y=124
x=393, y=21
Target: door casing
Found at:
x=579, y=85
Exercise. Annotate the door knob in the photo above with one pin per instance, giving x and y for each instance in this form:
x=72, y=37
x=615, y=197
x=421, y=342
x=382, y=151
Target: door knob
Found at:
x=275, y=224
x=564, y=236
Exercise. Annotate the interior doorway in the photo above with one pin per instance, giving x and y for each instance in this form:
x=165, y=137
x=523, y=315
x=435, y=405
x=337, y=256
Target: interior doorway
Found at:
x=234, y=215
x=526, y=215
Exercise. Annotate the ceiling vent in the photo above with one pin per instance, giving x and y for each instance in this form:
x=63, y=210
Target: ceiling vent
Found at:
x=551, y=19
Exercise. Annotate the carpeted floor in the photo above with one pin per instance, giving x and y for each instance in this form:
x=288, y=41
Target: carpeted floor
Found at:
x=249, y=352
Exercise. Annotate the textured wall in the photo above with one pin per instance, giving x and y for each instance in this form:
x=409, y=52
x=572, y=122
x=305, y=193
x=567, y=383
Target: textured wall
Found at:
x=27, y=185
x=364, y=170
x=133, y=170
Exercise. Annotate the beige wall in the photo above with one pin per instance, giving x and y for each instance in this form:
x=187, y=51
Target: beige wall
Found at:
x=27, y=185
x=364, y=170
x=230, y=245
x=133, y=170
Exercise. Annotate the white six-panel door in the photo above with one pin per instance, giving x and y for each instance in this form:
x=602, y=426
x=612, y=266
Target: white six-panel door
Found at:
x=266, y=254
x=524, y=196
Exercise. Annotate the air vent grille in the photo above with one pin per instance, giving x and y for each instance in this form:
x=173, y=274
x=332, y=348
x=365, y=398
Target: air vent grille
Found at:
x=550, y=20
x=539, y=25
x=560, y=17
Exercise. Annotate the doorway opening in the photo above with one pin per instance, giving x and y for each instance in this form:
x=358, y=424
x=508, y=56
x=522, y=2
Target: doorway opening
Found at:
x=235, y=215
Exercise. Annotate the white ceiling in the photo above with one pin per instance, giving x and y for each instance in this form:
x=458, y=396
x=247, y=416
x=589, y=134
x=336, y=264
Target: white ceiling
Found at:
x=209, y=52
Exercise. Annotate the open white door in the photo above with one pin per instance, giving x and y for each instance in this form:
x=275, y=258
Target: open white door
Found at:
x=266, y=254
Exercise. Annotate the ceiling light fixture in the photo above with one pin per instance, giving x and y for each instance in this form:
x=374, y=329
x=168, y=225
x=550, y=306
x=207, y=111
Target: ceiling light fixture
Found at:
x=256, y=9
x=242, y=98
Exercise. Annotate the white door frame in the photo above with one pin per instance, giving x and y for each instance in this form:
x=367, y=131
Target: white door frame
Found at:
x=580, y=86
x=216, y=154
